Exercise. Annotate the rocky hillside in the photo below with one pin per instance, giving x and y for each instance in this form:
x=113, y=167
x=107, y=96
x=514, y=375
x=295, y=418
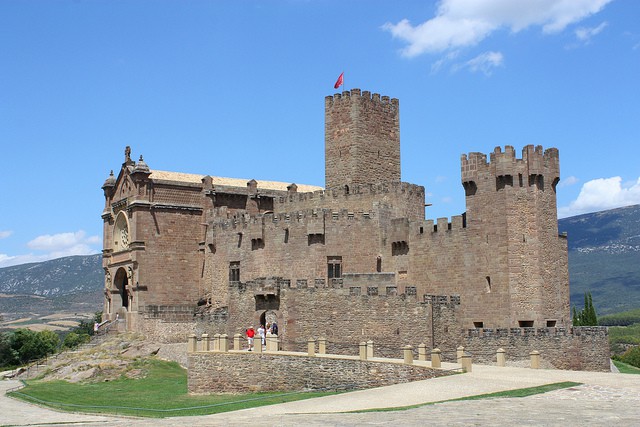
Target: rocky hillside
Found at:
x=52, y=294
x=62, y=276
x=604, y=258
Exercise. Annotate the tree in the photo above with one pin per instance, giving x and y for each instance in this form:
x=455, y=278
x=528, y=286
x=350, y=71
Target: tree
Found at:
x=73, y=339
x=587, y=316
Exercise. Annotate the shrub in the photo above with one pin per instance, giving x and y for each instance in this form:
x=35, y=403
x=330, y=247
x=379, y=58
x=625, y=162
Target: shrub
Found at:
x=73, y=339
x=631, y=357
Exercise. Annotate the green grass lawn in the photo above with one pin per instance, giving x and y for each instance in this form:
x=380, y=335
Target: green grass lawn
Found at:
x=162, y=393
x=625, y=368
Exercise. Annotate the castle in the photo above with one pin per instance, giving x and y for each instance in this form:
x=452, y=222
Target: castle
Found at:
x=356, y=260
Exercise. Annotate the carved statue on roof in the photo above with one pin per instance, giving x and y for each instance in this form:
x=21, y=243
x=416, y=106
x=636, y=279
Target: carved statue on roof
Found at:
x=127, y=154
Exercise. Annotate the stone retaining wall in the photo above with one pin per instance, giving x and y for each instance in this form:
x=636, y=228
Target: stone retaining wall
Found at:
x=244, y=372
x=578, y=348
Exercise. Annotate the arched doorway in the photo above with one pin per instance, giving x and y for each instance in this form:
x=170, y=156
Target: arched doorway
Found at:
x=269, y=316
x=121, y=283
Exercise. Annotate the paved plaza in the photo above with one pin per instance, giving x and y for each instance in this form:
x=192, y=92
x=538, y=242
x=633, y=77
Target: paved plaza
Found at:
x=604, y=399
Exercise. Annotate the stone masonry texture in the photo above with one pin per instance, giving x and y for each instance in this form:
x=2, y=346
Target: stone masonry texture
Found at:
x=357, y=260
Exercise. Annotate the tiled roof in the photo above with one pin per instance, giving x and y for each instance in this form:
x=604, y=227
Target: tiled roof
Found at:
x=231, y=182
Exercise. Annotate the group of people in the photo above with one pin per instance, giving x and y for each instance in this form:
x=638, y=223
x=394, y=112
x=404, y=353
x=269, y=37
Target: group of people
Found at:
x=262, y=332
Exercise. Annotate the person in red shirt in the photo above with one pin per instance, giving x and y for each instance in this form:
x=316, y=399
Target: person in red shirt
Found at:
x=250, y=334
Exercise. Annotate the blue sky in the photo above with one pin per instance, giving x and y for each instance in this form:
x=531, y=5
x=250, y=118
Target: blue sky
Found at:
x=236, y=89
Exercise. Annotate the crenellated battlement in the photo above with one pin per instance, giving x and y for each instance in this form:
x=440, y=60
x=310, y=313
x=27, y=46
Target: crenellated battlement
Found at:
x=303, y=216
x=356, y=94
x=276, y=285
x=534, y=162
x=363, y=194
x=597, y=331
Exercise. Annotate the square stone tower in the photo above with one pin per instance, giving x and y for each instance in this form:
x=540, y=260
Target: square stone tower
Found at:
x=362, y=139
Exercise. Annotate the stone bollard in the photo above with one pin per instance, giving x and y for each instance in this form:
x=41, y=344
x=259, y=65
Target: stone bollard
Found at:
x=363, y=350
x=257, y=344
x=322, y=345
x=422, y=352
x=436, y=361
x=500, y=359
x=192, y=343
x=465, y=361
x=408, y=354
x=369, y=349
x=237, y=342
x=216, y=342
x=311, y=347
x=535, y=359
x=205, y=342
x=272, y=343
x=224, y=343
x=459, y=353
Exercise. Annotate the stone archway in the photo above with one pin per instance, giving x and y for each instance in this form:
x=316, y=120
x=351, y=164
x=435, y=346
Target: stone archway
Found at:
x=268, y=317
x=121, y=282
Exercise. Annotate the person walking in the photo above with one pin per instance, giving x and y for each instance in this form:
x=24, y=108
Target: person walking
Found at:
x=250, y=334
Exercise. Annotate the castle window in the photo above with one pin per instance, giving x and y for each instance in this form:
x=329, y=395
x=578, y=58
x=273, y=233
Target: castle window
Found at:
x=410, y=290
x=239, y=239
x=525, y=323
x=234, y=271
x=551, y=323
x=488, y=284
x=520, y=179
x=257, y=244
x=286, y=235
x=334, y=267
x=470, y=188
x=315, y=239
x=399, y=248
x=392, y=290
x=478, y=325
x=421, y=230
x=379, y=264
x=355, y=290
x=372, y=291
x=504, y=180
x=346, y=189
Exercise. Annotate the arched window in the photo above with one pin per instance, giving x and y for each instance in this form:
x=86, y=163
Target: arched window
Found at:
x=121, y=233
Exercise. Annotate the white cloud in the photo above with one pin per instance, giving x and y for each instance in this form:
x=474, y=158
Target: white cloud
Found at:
x=485, y=62
x=584, y=34
x=464, y=23
x=567, y=182
x=61, y=241
x=5, y=233
x=436, y=66
x=55, y=246
x=602, y=194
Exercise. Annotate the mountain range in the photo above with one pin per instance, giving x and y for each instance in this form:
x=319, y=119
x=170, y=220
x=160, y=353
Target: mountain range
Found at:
x=604, y=259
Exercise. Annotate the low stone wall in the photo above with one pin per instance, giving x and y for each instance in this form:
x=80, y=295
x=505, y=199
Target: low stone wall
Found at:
x=161, y=331
x=578, y=348
x=243, y=372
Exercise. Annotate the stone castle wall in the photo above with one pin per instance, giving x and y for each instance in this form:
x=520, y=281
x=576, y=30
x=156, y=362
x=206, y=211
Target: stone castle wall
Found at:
x=400, y=199
x=578, y=348
x=345, y=316
x=245, y=372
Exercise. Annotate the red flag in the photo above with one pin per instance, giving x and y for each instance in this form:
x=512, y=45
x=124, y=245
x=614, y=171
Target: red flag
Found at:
x=339, y=81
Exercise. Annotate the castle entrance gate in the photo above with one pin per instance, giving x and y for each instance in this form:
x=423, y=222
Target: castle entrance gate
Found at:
x=268, y=317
